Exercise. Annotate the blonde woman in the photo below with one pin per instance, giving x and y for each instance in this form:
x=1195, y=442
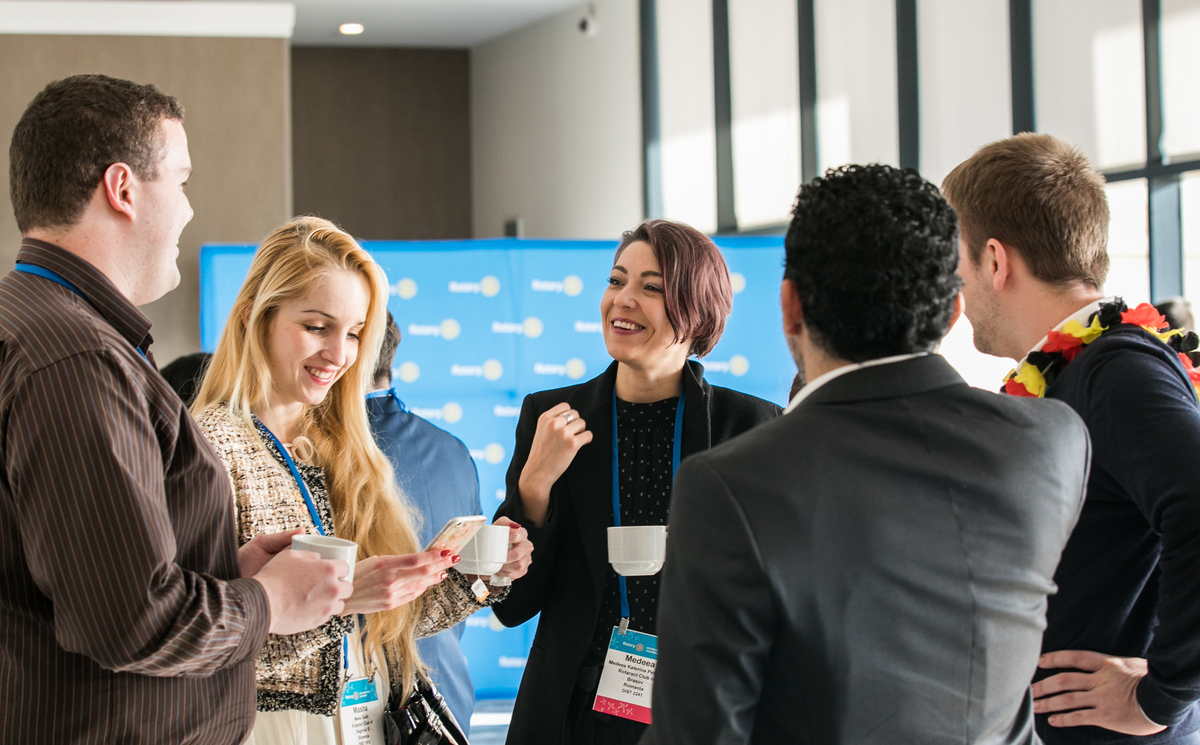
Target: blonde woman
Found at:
x=282, y=404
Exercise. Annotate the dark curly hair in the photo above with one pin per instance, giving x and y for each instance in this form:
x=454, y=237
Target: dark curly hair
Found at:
x=873, y=251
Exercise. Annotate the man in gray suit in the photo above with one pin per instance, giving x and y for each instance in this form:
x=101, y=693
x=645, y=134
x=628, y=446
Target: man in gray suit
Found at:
x=873, y=566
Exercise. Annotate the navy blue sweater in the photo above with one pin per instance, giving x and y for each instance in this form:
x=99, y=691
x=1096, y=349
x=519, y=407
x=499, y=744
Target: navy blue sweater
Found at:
x=1129, y=579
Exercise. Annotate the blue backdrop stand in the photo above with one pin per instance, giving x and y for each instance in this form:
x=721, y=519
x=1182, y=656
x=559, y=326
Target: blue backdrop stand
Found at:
x=486, y=322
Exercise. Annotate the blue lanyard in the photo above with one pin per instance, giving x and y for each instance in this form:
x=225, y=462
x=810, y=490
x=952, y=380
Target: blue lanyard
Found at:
x=362, y=624
x=390, y=392
x=53, y=276
x=616, y=484
x=291, y=464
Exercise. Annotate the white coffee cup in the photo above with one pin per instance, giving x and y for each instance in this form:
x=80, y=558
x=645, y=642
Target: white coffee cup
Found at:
x=637, y=550
x=329, y=548
x=486, y=552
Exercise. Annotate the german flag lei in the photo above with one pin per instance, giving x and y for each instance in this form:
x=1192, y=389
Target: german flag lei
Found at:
x=1041, y=366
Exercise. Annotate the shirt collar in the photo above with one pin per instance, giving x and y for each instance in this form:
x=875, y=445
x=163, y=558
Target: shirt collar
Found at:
x=1080, y=316
x=96, y=288
x=812, y=387
x=387, y=393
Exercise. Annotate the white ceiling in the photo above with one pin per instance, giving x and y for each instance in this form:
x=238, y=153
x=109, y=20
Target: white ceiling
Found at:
x=418, y=23
x=389, y=23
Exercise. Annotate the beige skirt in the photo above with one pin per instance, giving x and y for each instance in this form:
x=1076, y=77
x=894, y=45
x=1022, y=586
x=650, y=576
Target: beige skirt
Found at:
x=292, y=728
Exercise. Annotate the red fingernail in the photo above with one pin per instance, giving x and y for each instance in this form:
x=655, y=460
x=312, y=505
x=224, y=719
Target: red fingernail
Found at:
x=446, y=553
x=444, y=575
x=455, y=559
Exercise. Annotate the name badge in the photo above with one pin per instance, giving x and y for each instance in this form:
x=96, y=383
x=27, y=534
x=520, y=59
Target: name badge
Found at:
x=628, y=676
x=360, y=717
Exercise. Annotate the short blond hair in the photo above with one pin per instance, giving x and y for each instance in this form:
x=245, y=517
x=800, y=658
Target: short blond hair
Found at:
x=1038, y=195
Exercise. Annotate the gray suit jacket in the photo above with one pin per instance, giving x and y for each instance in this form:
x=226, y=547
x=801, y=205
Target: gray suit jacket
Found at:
x=870, y=568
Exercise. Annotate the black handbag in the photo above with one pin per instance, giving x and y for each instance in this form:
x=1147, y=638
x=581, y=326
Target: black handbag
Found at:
x=424, y=719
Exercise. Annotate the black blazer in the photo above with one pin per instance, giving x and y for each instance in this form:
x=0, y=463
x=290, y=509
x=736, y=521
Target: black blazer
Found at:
x=870, y=568
x=570, y=559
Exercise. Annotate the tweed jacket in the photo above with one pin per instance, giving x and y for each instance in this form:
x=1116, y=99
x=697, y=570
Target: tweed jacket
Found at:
x=302, y=671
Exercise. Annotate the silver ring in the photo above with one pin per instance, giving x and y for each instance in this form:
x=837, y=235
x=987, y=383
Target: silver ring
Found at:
x=568, y=416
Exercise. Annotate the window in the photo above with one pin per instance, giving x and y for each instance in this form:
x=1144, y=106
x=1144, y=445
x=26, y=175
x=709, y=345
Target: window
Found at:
x=1190, y=204
x=964, y=80
x=689, y=140
x=1180, y=63
x=856, y=82
x=1089, y=77
x=765, y=84
x=1128, y=242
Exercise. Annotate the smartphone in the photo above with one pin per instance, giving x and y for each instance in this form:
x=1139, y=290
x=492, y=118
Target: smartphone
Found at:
x=457, y=532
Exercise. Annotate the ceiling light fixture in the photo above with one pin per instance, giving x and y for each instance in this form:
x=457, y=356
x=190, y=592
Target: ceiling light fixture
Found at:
x=351, y=29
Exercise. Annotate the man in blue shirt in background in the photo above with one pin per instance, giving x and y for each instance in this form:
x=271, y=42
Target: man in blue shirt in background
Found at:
x=435, y=470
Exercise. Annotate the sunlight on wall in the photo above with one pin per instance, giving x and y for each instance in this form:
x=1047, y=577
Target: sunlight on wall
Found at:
x=1128, y=242
x=856, y=82
x=765, y=83
x=1180, y=64
x=1190, y=199
x=689, y=158
x=1119, y=90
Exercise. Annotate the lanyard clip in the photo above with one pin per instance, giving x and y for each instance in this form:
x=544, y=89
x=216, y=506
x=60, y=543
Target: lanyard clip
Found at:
x=623, y=626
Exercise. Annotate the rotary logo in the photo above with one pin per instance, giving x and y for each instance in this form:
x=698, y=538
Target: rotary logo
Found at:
x=450, y=413
x=405, y=289
x=736, y=366
x=531, y=327
x=485, y=619
x=492, y=454
x=448, y=329
x=408, y=372
x=489, y=286
x=571, y=286
x=490, y=370
x=574, y=369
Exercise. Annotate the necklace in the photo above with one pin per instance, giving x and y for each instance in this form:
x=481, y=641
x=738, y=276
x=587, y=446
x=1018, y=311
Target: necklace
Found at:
x=1062, y=345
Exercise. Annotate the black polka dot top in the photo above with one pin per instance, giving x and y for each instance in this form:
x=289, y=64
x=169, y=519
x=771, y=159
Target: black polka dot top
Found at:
x=645, y=437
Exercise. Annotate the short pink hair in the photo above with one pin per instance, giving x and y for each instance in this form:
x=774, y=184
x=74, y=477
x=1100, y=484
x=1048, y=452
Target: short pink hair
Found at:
x=697, y=291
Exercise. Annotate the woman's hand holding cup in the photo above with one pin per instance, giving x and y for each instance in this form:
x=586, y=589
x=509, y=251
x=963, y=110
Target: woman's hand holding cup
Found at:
x=559, y=435
x=387, y=582
x=520, y=551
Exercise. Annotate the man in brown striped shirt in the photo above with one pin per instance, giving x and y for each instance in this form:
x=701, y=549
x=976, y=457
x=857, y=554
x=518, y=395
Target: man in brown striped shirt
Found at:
x=127, y=612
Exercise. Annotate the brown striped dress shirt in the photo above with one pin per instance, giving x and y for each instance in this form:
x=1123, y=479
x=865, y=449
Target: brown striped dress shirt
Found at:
x=122, y=616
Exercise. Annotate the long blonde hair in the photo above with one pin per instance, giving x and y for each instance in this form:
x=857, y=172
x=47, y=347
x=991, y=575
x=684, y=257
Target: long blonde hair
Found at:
x=368, y=507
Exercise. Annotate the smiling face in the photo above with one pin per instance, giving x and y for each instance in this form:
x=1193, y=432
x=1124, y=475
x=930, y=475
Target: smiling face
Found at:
x=164, y=210
x=636, y=329
x=314, y=339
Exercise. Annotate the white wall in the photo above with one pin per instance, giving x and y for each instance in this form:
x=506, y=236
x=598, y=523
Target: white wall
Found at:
x=1180, y=63
x=856, y=82
x=1089, y=77
x=965, y=90
x=686, y=95
x=556, y=132
x=765, y=81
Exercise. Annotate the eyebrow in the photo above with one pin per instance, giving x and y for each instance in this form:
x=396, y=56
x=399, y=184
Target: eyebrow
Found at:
x=361, y=323
x=650, y=273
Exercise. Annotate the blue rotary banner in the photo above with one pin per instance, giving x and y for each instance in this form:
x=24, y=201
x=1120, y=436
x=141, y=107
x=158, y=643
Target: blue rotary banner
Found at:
x=486, y=322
